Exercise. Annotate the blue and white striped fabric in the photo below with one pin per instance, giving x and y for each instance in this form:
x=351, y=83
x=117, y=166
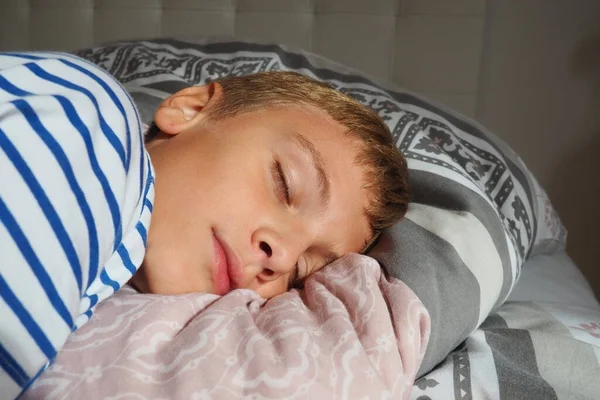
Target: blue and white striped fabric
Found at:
x=76, y=193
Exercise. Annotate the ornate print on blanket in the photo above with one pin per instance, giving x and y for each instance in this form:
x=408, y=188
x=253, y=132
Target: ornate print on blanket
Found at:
x=355, y=335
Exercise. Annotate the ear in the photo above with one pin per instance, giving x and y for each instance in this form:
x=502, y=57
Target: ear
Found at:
x=186, y=107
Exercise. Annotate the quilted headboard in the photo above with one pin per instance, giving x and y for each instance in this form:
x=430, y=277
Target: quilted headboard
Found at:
x=432, y=47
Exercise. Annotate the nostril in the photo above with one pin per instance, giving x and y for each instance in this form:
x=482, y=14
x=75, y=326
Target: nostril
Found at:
x=264, y=246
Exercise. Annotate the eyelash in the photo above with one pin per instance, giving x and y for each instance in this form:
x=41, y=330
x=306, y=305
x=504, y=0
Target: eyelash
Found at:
x=283, y=190
x=294, y=282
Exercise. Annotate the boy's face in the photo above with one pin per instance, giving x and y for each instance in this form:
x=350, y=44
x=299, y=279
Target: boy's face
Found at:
x=256, y=201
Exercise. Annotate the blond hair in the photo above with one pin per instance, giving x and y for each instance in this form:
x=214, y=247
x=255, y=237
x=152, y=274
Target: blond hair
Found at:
x=385, y=169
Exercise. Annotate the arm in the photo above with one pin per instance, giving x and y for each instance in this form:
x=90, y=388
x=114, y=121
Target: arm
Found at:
x=75, y=203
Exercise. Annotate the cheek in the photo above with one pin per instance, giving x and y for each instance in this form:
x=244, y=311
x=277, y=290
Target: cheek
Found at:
x=238, y=189
x=187, y=277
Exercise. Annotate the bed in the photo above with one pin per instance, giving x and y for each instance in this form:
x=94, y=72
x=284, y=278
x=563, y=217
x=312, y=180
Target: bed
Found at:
x=471, y=297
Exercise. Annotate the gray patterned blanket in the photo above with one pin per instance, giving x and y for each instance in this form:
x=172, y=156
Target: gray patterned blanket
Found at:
x=526, y=350
x=477, y=215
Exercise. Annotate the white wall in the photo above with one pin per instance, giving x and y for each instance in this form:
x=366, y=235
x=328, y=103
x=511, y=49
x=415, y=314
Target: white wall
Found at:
x=539, y=89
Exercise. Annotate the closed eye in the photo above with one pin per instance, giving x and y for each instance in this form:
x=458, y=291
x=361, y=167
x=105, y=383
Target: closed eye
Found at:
x=295, y=281
x=293, y=278
x=281, y=185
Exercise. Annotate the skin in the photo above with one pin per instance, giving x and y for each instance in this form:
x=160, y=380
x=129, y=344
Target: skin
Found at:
x=220, y=178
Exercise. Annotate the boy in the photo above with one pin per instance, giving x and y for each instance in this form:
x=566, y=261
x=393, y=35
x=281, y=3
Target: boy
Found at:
x=255, y=182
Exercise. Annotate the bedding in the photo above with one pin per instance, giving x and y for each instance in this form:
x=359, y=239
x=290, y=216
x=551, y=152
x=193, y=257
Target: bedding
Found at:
x=355, y=335
x=477, y=215
x=463, y=178
x=543, y=343
x=554, y=278
x=143, y=346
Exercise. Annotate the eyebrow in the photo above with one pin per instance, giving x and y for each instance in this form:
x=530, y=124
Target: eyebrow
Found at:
x=317, y=161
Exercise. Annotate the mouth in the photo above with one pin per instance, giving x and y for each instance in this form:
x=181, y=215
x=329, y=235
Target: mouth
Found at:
x=227, y=267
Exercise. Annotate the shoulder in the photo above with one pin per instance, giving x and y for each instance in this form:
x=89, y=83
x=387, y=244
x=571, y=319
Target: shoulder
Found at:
x=63, y=89
x=62, y=74
x=62, y=69
x=71, y=136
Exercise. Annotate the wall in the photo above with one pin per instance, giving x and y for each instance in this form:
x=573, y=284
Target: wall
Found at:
x=539, y=89
x=429, y=46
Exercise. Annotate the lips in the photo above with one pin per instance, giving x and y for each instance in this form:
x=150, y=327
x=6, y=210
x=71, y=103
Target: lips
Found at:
x=227, y=269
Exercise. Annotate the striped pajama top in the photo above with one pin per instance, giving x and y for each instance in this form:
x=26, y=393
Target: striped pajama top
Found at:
x=76, y=195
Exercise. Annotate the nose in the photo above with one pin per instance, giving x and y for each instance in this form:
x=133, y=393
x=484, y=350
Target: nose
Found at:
x=277, y=255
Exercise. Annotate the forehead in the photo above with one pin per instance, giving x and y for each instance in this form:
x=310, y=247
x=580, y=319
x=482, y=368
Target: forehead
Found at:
x=344, y=220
